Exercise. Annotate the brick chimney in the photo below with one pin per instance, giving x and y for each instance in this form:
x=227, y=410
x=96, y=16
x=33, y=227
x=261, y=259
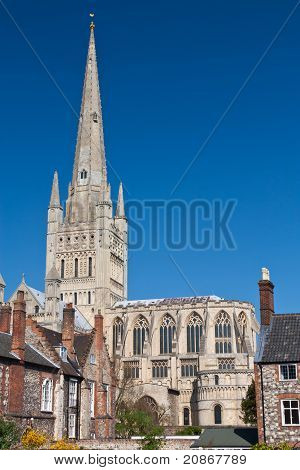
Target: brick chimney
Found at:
x=68, y=329
x=19, y=326
x=98, y=319
x=266, y=293
x=5, y=318
x=17, y=370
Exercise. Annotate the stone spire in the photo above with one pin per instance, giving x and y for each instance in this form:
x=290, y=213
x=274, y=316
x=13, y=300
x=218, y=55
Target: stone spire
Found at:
x=90, y=165
x=55, y=199
x=120, y=211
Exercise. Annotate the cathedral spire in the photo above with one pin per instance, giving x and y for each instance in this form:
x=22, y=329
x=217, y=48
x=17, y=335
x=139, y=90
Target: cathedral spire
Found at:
x=55, y=199
x=90, y=165
x=120, y=211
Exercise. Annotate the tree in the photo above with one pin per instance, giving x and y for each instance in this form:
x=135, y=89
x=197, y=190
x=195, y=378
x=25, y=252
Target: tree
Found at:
x=249, y=406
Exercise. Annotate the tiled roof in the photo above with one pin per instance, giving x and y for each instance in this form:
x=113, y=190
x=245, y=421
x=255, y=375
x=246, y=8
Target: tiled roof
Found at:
x=227, y=437
x=280, y=341
x=32, y=355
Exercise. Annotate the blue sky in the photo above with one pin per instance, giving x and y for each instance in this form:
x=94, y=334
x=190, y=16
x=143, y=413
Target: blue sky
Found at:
x=168, y=70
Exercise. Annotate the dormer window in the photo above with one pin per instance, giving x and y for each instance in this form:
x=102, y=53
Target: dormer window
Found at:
x=83, y=175
x=63, y=353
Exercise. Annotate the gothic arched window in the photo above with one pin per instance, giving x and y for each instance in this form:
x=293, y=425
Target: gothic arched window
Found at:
x=47, y=392
x=167, y=334
x=218, y=414
x=118, y=331
x=62, y=269
x=194, y=332
x=223, y=334
x=76, y=267
x=140, y=334
x=186, y=416
x=90, y=266
x=242, y=319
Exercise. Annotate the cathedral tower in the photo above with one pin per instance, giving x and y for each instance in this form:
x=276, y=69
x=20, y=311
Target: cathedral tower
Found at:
x=87, y=246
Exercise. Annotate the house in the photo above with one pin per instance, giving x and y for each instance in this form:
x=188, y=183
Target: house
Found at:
x=277, y=371
x=61, y=383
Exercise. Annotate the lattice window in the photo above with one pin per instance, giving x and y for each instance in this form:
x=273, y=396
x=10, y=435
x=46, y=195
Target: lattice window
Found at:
x=194, y=332
x=118, y=331
x=132, y=369
x=223, y=334
x=226, y=364
x=159, y=369
x=189, y=368
x=140, y=335
x=167, y=334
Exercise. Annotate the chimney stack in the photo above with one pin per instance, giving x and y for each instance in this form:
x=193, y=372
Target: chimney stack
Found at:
x=68, y=329
x=98, y=319
x=5, y=318
x=19, y=326
x=266, y=293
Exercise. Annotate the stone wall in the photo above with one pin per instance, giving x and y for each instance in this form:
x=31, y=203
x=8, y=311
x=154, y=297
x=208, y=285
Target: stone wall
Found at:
x=270, y=393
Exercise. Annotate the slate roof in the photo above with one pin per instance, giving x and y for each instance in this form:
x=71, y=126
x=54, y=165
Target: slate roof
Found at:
x=227, y=437
x=280, y=342
x=32, y=355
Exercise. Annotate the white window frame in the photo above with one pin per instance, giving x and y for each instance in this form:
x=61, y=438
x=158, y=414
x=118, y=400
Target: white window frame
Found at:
x=282, y=412
x=47, y=395
x=72, y=426
x=73, y=388
x=92, y=399
x=288, y=379
x=92, y=359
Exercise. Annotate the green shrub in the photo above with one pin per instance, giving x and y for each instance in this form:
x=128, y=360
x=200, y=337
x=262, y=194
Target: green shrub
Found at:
x=189, y=431
x=153, y=440
x=9, y=434
x=133, y=423
x=278, y=446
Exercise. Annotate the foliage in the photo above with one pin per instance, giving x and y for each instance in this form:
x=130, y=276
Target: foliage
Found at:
x=133, y=423
x=9, y=434
x=32, y=440
x=64, y=444
x=277, y=446
x=153, y=440
x=189, y=431
x=249, y=406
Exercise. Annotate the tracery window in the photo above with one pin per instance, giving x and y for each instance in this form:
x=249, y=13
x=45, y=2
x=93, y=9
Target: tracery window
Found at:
x=223, y=334
x=140, y=334
x=131, y=369
x=189, y=367
x=226, y=364
x=167, y=334
x=118, y=331
x=159, y=369
x=194, y=332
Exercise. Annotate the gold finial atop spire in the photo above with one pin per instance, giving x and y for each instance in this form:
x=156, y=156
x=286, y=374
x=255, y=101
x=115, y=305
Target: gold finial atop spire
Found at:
x=92, y=25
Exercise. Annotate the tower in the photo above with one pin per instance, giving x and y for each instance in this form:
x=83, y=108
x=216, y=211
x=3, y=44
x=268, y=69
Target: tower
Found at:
x=87, y=246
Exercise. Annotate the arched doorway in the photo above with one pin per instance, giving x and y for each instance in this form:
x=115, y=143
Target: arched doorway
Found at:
x=218, y=414
x=149, y=405
x=186, y=416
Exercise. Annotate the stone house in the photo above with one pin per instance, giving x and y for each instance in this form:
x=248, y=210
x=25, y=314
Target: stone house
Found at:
x=277, y=371
x=59, y=383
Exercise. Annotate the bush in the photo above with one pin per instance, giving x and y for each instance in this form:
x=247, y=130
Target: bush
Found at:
x=32, y=440
x=249, y=406
x=153, y=440
x=189, y=431
x=64, y=444
x=278, y=446
x=9, y=434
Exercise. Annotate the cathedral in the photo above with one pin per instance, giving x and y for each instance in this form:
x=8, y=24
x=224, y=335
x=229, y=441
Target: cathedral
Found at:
x=190, y=359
